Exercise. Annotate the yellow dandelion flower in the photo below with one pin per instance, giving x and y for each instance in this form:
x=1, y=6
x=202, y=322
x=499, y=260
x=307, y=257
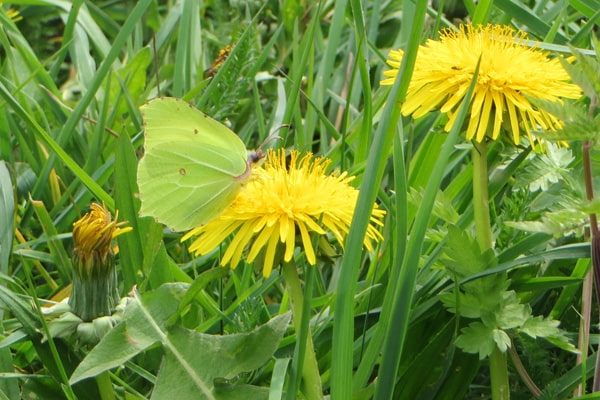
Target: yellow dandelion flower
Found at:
x=280, y=202
x=509, y=73
x=94, y=291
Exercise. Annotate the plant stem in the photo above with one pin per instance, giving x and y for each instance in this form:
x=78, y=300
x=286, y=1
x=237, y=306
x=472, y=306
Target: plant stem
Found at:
x=105, y=386
x=304, y=353
x=483, y=233
x=481, y=202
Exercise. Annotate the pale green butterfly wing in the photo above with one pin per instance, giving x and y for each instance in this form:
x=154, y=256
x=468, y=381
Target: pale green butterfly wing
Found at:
x=193, y=167
x=168, y=120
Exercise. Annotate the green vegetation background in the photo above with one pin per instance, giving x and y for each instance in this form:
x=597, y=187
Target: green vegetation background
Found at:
x=73, y=75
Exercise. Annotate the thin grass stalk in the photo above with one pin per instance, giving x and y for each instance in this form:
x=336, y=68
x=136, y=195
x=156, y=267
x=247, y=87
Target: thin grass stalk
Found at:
x=595, y=234
x=297, y=72
x=363, y=67
x=400, y=222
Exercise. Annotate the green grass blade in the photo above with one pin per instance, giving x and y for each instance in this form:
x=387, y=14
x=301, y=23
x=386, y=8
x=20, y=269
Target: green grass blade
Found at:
x=341, y=375
x=7, y=217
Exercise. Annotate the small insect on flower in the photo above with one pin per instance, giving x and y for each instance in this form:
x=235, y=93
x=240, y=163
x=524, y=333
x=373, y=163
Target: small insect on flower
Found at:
x=281, y=201
x=510, y=72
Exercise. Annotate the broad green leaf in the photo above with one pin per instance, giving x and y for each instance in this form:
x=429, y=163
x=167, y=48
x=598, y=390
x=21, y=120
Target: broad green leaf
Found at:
x=145, y=323
x=214, y=357
x=227, y=391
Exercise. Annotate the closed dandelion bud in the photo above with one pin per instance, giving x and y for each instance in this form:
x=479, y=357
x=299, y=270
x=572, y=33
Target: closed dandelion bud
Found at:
x=95, y=291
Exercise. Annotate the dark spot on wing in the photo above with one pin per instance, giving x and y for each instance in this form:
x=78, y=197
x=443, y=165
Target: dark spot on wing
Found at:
x=182, y=171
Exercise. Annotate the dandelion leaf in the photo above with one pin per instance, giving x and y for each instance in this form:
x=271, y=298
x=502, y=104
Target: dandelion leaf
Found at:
x=191, y=360
x=215, y=358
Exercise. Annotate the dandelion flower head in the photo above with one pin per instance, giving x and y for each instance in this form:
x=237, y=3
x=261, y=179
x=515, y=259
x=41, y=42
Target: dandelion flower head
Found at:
x=509, y=72
x=280, y=201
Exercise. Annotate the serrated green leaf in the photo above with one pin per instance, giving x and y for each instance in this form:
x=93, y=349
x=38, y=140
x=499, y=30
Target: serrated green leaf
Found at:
x=562, y=342
x=586, y=73
x=468, y=306
x=501, y=339
x=442, y=207
x=573, y=131
x=513, y=314
x=592, y=207
x=548, y=329
x=463, y=255
x=540, y=327
x=476, y=338
x=557, y=223
x=545, y=169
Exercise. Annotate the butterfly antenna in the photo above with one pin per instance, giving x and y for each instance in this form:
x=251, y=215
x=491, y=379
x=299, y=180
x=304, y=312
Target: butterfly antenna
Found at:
x=272, y=136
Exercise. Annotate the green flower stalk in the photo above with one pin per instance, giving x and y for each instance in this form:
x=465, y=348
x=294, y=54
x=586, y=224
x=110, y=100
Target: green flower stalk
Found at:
x=95, y=291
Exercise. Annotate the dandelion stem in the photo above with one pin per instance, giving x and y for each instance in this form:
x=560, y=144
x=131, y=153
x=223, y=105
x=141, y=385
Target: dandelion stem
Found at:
x=483, y=233
x=304, y=353
x=481, y=202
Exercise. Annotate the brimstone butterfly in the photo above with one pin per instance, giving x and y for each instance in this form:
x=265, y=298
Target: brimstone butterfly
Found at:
x=193, y=166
